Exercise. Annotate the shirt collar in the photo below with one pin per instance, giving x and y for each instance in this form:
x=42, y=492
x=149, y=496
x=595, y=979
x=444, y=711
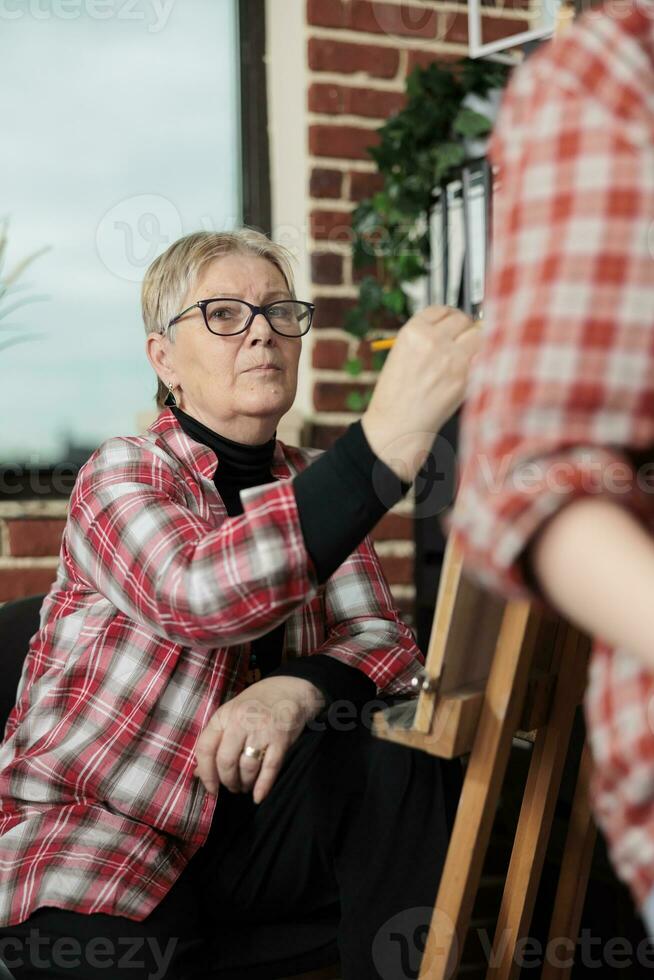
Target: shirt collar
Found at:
x=200, y=458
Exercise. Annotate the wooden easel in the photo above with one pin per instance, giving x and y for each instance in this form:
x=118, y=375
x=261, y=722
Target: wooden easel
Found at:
x=494, y=669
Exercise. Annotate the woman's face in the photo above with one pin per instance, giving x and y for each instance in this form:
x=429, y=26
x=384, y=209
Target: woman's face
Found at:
x=216, y=378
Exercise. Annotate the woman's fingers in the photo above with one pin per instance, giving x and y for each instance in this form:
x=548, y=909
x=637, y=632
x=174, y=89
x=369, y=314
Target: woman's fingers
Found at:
x=472, y=335
x=228, y=765
x=469, y=343
x=249, y=769
x=267, y=771
x=206, y=751
x=448, y=321
x=230, y=758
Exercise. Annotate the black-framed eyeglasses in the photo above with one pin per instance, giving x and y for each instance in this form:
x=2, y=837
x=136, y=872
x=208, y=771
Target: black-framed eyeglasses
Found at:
x=227, y=315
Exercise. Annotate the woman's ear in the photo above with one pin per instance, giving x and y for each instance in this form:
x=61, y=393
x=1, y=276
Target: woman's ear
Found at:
x=157, y=349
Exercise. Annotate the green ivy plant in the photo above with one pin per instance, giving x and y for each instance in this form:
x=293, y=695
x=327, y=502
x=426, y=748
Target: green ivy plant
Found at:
x=420, y=147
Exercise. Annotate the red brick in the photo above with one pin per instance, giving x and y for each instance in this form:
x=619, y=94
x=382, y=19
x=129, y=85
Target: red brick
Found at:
x=380, y=105
x=351, y=142
x=340, y=56
x=334, y=226
x=345, y=100
x=455, y=28
x=394, y=527
x=15, y=583
x=329, y=355
x=327, y=268
x=398, y=569
x=327, y=13
x=423, y=59
x=34, y=538
x=324, y=436
x=331, y=396
x=329, y=98
x=331, y=311
x=494, y=28
x=399, y=19
x=325, y=183
x=364, y=185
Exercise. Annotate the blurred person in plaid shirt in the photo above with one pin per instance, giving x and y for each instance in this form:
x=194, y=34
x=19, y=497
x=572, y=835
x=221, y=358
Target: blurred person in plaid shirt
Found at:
x=555, y=499
x=162, y=769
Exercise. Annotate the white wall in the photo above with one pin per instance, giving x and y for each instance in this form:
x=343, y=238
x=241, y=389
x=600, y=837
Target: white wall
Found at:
x=287, y=76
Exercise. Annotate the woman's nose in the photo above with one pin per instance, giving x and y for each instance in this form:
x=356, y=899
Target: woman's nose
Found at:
x=260, y=329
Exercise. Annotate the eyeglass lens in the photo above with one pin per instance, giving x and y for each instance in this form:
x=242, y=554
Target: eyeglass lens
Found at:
x=229, y=316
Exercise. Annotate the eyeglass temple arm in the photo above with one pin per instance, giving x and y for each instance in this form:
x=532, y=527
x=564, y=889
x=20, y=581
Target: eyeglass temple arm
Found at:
x=180, y=315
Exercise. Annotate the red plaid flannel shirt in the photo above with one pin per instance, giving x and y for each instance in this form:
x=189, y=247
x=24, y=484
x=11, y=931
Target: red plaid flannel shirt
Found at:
x=144, y=633
x=562, y=396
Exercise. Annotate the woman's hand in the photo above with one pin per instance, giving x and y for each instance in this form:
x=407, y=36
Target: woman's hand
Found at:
x=421, y=385
x=270, y=714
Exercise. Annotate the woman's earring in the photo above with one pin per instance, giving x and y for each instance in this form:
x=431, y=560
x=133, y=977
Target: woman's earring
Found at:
x=170, y=397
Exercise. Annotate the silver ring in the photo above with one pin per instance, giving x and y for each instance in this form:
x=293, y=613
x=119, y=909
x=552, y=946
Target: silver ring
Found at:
x=251, y=752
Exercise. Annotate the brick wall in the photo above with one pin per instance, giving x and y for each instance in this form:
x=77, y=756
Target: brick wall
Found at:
x=30, y=536
x=359, y=53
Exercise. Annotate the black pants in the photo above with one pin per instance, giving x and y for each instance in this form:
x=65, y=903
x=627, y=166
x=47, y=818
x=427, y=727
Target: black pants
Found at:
x=351, y=819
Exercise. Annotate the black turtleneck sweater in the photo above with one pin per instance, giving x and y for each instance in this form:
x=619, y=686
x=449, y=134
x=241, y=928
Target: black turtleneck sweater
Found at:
x=340, y=498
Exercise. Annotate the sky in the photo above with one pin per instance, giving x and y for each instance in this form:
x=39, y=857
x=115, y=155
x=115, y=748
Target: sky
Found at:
x=119, y=132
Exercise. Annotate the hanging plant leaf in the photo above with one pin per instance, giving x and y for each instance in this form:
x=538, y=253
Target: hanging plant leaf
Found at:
x=478, y=75
x=370, y=294
x=395, y=300
x=449, y=155
x=378, y=359
x=471, y=124
x=355, y=401
x=353, y=366
x=356, y=322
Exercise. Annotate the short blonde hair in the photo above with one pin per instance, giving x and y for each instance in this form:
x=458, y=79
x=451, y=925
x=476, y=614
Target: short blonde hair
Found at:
x=171, y=275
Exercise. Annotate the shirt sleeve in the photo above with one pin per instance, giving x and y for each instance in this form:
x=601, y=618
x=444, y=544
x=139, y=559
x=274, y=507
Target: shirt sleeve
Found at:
x=131, y=536
x=363, y=628
x=562, y=393
x=341, y=497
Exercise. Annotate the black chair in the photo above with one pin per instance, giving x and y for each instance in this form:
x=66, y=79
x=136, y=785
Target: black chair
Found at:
x=261, y=951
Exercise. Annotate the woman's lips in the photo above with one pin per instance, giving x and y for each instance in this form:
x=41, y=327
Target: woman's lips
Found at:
x=265, y=368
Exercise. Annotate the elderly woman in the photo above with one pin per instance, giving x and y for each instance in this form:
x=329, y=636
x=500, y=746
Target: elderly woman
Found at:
x=173, y=758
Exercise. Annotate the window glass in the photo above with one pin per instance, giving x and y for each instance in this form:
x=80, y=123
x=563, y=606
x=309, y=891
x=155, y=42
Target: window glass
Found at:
x=120, y=132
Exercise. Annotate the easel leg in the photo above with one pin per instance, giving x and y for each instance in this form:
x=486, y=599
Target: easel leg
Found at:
x=575, y=870
x=537, y=811
x=499, y=717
